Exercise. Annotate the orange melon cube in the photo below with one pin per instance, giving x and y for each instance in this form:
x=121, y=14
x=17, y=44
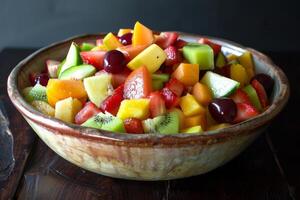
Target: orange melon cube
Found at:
x=142, y=35
x=132, y=51
x=195, y=121
x=61, y=89
x=186, y=73
x=202, y=93
x=190, y=106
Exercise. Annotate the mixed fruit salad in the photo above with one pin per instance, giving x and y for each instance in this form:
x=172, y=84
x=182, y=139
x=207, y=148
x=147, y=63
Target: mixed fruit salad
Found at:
x=139, y=82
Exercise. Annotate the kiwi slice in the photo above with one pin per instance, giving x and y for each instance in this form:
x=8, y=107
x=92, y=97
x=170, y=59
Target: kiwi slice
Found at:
x=106, y=122
x=165, y=124
x=78, y=72
x=37, y=93
x=86, y=46
x=25, y=93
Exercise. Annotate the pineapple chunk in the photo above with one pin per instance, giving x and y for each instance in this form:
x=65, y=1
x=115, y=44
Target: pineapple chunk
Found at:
x=197, y=120
x=136, y=108
x=66, y=109
x=239, y=74
x=247, y=61
x=152, y=57
x=98, y=87
x=190, y=106
x=43, y=107
x=111, y=42
x=194, y=129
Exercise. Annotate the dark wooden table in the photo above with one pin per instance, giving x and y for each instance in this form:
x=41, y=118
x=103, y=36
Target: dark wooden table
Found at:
x=268, y=169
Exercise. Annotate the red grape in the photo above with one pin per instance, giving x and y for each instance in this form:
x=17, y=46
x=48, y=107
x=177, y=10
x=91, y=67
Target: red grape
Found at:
x=114, y=61
x=126, y=39
x=223, y=110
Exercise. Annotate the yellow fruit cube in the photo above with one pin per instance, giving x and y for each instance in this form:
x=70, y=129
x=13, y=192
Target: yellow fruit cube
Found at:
x=152, y=57
x=190, y=106
x=43, y=107
x=231, y=57
x=239, y=74
x=247, y=61
x=123, y=31
x=194, y=129
x=100, y=48
x=134, y=108
x=66, y=109
x=186, y=73
x=197, y=120
x=111, y=42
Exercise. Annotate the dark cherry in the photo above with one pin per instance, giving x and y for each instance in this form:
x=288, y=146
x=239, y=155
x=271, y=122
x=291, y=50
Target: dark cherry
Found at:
x=114, y=61
x=223, y=110
x=126, y=39
x=41, y=78
x=266, y=81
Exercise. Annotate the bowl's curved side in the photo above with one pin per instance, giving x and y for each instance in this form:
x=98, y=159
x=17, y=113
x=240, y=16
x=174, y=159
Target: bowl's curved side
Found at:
x=148, y=163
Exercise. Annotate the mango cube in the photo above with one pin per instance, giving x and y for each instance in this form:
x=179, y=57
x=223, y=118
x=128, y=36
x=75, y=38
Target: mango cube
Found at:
x=190, y=106
x=134, y=108
x=152, y=57
x=142, y=35
x=202, y=93
x=239, y=74
x=186, y=73
x=66, y=109
x=194, y=129
x=200, y=54
x=246, y=61
x=111, y=42
x=231, y=57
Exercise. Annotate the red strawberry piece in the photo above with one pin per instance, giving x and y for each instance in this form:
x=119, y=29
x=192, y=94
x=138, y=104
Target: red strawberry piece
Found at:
x=88, y=111
x=240, y=97
x=171, y=99
x=175, y=86
x=245, y=111
x=173, y=56
x=260, y=90
x=138, y=84
x=179, y=44
x=94, y=58
x=133, y=125
x=216, y=48
x=112, y=103
x=157, y=104
x=165, y=39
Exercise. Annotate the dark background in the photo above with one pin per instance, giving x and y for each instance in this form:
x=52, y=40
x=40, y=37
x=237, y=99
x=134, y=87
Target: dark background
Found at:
x=264, y=25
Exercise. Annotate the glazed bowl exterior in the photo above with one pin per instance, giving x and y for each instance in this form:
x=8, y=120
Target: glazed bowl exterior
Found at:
x=144, y=156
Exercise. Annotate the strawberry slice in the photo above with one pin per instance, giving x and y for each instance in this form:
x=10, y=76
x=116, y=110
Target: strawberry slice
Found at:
x=171, y=99
x=261, y=92
x=165, y=39
x=245, y=111
x=157, y=104
x=240, y=97
x=179, y=44
x=94, y=58
x=133, y=125
x=112, y=103
x=173, y=56
x=138, y=84
x=216, y=48
x=88, y=111
x=175, y=86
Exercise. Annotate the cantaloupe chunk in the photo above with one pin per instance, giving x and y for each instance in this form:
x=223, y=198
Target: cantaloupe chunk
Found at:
x=186, y=73
x=132, y=51
x=195, y=121
x=142, y=35
x=61, y=89
x=202, y=93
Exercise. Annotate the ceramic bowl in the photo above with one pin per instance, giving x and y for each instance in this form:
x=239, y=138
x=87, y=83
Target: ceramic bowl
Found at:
x=145, y=156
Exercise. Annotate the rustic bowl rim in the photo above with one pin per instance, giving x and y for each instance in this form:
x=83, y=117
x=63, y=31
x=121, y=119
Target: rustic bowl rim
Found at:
x=144, y=140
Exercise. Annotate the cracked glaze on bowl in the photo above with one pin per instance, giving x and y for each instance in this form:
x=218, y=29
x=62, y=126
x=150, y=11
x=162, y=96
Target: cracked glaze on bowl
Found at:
x=147, y=156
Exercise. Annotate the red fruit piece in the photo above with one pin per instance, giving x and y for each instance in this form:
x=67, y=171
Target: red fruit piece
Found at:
x=166, y=39
x=116, y=79
x=223, y=71
x=133, y=125
x=157, y=104
x=245, y=111
x=216, y=48
x=138, y=84
x=171, y=99
x=262, y=95
x=88, y=111
x=41, y=79
x=180, y=43
x=112, y=103
x=99, y=42
x=240, y=97
x=173, y=56
x=94, y=58
x=175, y=86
